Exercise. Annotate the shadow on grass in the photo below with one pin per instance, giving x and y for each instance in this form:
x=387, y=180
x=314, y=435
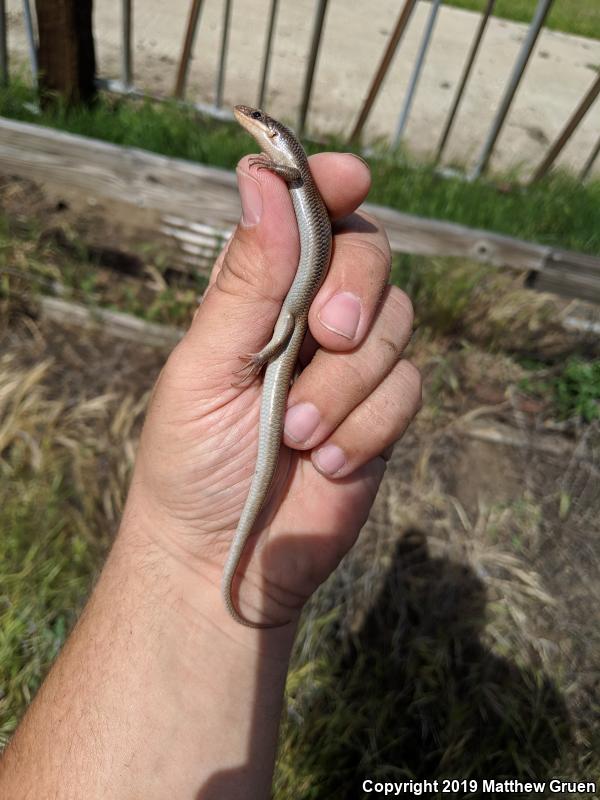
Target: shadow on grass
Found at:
x=416, y=694
x=413, y=694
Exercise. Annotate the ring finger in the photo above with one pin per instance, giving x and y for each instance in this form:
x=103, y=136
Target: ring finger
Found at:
x=374, y=425
x=334, y=384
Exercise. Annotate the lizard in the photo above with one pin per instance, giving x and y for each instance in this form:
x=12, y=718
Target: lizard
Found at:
x=283, y=155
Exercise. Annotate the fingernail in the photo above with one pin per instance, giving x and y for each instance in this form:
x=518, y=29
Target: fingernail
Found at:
x=330, y=459
x=251, y=198
x=360, y=158
x=301, y=421
x=341, y=314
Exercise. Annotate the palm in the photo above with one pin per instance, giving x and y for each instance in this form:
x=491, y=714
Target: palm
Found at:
x=203, y=475
x=313, y=521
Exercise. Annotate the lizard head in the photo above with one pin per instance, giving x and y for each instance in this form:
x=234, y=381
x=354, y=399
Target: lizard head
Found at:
x=275, y=140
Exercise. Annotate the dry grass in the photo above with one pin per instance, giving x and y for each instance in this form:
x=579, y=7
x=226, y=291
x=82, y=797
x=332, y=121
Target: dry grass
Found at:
x=431, y=653
x=493, y=308
x=40, y=255
x=64, y=466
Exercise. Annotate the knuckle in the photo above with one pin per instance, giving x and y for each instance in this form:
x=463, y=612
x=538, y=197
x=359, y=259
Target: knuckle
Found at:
x=245, y=273
x=392, y=347
x=402, y=305
x=378, y=422
x=396, y=321
x=374, y=251
x=353, y=374
x=412, y=381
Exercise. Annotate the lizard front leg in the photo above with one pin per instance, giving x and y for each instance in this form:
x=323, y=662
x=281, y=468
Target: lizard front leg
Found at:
x=289, y=174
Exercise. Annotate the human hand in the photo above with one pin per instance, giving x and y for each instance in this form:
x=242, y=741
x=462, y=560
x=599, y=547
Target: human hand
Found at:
x=353, y=400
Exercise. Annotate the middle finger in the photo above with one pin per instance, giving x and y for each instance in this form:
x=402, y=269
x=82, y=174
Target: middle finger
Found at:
x=346, y=304
x=334, y=384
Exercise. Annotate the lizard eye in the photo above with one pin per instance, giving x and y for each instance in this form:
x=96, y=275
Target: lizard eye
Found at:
x=256, y=115
x=273, y=134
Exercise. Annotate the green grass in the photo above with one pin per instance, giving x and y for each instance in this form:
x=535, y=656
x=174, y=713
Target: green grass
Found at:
x=574, y=388
x=577, y=390
x=581, y=17
x=441, y=289
x=557, y=211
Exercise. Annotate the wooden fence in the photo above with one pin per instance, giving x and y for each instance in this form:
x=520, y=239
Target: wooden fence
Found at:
x=265, y=40
x=198, y=206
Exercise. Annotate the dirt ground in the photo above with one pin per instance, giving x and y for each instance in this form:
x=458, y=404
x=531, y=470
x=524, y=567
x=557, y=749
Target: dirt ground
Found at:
x=487, y=502
x=561, y=70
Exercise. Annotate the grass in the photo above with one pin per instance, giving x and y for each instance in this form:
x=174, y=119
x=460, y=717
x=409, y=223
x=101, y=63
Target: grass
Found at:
x=581, y=17
x=54, y=526
x=577, y=390
x=423, y=672
x=32, y=262
x=574, y=387
x=442, y=290
x=557, y=211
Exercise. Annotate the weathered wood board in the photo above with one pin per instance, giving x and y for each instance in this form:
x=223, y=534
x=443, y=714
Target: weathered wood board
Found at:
x=127, y=174
x=120, y=324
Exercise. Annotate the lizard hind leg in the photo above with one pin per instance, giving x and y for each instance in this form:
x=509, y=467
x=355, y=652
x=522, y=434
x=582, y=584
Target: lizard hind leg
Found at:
x=254, y=362
x=251, y=367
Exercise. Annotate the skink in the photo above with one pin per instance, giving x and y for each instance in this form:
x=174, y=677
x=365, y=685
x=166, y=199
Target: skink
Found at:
x=282, y=154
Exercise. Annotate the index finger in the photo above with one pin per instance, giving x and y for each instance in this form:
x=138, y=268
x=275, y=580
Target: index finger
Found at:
x=343, y=181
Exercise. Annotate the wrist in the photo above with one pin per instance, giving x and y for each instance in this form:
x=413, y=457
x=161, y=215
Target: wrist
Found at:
x=156, y=687
x=192, y=585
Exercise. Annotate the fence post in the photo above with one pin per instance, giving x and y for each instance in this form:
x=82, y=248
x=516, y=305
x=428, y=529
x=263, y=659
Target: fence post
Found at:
x=188, y=46
x=267, y=56
x=31, y=43
x=464, y=78
x=590, y=162
x=312, y=62
x=67, y=62
x=126, y=65
x=416, y=73
x=402, y=22
x=568, y=130
x=223, y=57
x=3, y=45
x=541, y=12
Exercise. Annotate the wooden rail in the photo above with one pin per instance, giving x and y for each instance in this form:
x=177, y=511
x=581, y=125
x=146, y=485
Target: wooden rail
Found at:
x=198, y=203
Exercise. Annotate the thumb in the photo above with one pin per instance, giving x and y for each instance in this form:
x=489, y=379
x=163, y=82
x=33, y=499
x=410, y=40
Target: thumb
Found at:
x=252, y=276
